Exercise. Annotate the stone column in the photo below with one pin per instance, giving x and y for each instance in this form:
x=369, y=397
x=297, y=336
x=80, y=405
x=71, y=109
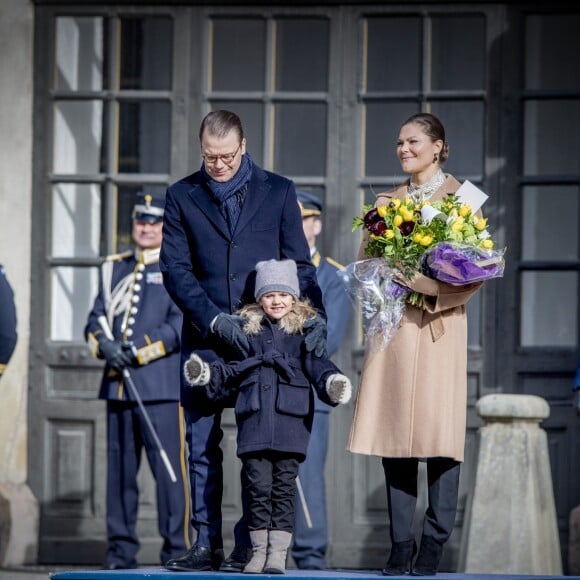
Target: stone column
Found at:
x=18, y=506
x=511, y=525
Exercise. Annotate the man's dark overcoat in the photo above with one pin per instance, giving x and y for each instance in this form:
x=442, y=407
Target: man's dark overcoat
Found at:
x=208, y=270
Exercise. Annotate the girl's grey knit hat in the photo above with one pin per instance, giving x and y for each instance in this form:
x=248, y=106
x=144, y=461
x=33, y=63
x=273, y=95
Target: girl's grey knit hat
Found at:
x=276, y=276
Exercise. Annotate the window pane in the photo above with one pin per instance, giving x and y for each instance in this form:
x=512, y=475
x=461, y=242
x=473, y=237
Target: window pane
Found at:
x=547, y=299
x=393, y=54
x=545, y=124
x=458, y=52
x=464, y=131
x=77, y=136
x=551, y=40
x=300, y=41
x=76, y=220
x=146, y=48
x=144, y=137
x=381, y=127
x=238, y=55
x=300, y=139
x=550, y=222
x=126, y=198
x=73, y=291
x=79, y=54
x=252, y=117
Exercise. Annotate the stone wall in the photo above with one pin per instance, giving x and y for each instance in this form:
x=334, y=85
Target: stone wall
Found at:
x=18, y=510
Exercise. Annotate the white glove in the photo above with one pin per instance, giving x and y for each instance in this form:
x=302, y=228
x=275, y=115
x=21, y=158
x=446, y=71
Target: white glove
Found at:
x=339, y=389
x=196, y=371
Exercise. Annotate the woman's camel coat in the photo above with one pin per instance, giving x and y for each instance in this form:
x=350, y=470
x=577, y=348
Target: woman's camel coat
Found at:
x=413, y=396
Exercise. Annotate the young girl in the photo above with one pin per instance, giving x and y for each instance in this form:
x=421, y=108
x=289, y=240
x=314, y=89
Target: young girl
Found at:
x=274, y=406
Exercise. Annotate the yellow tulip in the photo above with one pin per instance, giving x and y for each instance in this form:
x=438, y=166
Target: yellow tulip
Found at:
x=397, y=220
x=487, y=244
x=457, y=226
x=418, y=238
x=389, y=234
x=426, y=240
x=382, y=210
x=396, y=203
x=481, y=224
x=465, y=210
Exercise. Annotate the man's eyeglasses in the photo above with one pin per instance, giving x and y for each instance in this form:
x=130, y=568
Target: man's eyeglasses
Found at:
x=227, y=158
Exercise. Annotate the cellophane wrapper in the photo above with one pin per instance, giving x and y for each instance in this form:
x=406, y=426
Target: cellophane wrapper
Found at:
x=371, y=285
x=458, y=263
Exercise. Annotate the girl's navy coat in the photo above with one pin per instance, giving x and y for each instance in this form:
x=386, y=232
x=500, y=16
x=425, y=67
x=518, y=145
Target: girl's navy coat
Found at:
x=275, y=403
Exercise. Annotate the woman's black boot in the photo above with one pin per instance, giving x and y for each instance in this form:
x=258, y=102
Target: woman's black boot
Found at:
x=401, y=558
x=427, y=561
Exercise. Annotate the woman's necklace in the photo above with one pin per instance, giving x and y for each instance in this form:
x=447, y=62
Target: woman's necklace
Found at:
x=420, y=193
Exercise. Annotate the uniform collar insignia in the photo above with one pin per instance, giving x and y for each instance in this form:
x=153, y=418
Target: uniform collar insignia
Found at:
x=147, y=257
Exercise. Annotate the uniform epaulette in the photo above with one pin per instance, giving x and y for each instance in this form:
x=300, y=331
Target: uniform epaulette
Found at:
x=117, y=257
x=334, y=263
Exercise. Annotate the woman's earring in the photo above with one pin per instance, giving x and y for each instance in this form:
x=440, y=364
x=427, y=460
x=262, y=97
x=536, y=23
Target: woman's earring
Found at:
x=435, y=158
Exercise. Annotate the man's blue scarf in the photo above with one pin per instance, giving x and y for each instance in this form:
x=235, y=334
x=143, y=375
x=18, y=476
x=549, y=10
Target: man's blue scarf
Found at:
x=230, y=194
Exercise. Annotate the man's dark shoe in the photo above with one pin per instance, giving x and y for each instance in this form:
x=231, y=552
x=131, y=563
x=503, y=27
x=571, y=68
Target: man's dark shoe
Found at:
x=197, y=558
x=236, y=561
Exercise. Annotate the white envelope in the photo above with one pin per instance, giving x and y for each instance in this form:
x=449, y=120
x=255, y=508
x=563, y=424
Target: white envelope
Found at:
x=469, y=193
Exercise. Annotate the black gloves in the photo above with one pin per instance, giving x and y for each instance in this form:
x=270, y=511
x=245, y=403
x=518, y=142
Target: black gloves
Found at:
x=117, y=354
x=315, y=338
x=577, y=401
x=228, y=328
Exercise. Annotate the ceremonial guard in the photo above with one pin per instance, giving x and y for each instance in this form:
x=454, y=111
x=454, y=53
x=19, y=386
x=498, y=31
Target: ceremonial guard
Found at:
x=311, y=537
x=135, y=326
x=7, y=321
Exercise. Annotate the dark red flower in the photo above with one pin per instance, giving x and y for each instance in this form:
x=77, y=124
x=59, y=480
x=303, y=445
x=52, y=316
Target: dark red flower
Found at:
x=378, y=228
x=371, y=217
x=407, y=227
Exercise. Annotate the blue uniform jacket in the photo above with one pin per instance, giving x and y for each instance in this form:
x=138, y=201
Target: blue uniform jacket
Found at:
x=275, y=402
x=7, y=321
x=154, y=327
x=208, y=270
x=337, y=306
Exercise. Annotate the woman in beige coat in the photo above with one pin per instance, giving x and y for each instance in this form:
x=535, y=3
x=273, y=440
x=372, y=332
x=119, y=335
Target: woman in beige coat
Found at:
x=411, y=404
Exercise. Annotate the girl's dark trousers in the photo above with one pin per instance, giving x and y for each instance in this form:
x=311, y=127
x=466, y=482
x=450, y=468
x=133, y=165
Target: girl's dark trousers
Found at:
x=271, y=477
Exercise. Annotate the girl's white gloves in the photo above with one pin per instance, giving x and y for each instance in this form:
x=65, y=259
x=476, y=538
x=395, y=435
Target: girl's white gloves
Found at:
x=196, y=371
x=339, y=389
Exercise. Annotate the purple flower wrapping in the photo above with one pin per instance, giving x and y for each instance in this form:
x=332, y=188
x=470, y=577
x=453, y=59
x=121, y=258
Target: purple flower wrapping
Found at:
x=460, y=264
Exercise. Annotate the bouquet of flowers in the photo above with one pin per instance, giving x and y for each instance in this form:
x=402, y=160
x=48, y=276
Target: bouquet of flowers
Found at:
x=445, y=240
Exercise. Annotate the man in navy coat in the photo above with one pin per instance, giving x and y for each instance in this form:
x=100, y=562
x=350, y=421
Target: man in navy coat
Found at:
x=310, y=543
x=219, y=222
x=135, y=325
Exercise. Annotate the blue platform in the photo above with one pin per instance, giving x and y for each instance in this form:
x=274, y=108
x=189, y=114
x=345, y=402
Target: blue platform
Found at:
x=162, y=574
